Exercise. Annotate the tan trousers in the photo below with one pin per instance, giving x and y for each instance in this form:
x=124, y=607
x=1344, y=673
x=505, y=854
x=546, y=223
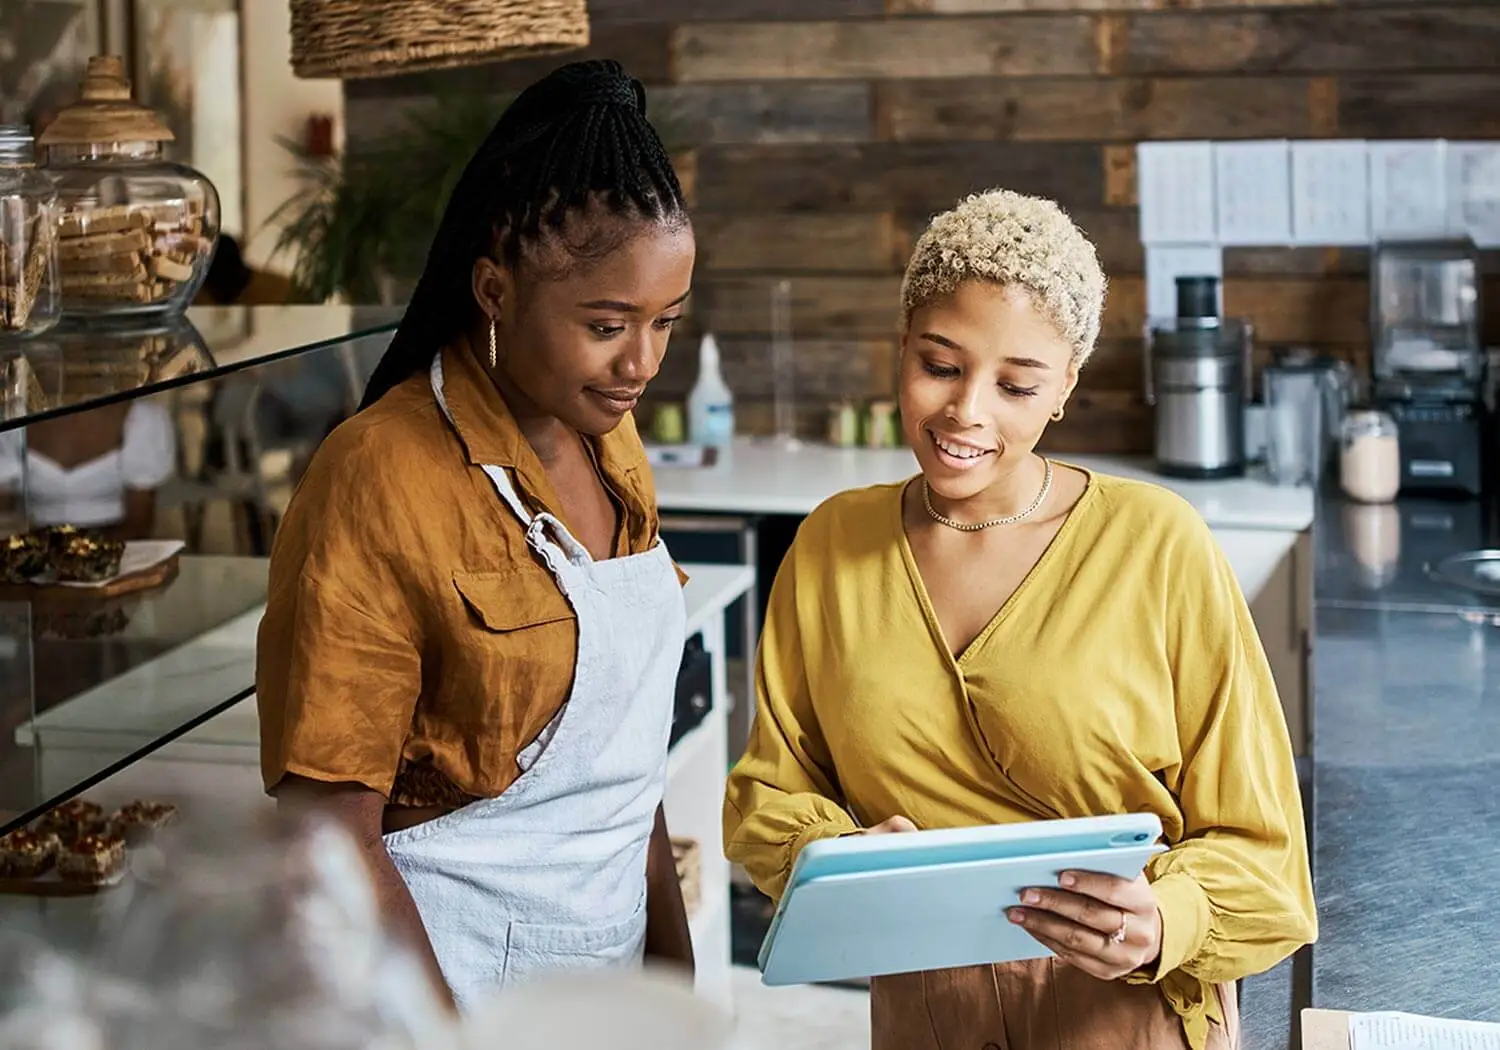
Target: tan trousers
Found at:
x=1037, y=1005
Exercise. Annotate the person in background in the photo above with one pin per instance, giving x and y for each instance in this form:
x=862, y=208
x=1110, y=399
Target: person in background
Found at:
x=229, y=282
x=98, y=469
x=1006, y=638
x=470, y=648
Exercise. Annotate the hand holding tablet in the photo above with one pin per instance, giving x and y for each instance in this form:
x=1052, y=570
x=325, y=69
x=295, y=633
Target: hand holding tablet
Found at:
x=897, y=900
x=1104, y=925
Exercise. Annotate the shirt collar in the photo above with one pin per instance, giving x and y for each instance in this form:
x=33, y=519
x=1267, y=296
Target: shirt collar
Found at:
x=489, y=432
x=485, y=424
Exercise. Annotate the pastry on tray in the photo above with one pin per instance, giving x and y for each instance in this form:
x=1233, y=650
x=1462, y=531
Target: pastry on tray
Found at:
x=25, y=854
x=59, y=552
x=92, y=859
x=79, y=556
x=96, y=620
x=73, y=819
x=137, y=821
x=23, y=557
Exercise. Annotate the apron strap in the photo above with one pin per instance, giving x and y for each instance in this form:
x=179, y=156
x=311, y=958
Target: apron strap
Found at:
x=536, y=525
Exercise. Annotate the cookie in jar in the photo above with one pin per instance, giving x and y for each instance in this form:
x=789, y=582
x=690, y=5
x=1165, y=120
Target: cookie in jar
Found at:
x=135, y=231
x=28, y=251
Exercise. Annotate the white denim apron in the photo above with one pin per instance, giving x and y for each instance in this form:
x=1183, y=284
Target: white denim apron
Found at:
x=552, y=874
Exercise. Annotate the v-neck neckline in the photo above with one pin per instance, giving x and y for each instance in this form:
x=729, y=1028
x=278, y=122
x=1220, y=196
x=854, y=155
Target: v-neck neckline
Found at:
x=956, y=662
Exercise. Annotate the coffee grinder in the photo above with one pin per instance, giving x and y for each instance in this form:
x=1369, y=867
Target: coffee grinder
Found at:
x=1428, y=362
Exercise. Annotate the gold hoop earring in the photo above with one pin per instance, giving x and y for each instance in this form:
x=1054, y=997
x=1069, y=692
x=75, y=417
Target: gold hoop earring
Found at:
x=1057, y=416
x=493, y=356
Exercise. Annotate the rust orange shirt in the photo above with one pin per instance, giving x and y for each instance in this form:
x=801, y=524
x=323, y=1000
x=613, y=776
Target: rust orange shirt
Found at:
x=412, y=641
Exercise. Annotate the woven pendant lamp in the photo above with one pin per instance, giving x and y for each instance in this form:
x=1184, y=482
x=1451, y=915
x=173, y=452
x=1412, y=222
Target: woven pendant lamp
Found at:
x=351, y=39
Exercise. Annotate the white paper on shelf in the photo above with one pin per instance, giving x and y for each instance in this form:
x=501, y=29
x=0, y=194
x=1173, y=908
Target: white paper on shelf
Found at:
x=1167, y=262
x=1253, y=192
x=1474, y=191
x=1175, y=186
x=1330, y=193
x=1398, y=1031
x=1408, y=189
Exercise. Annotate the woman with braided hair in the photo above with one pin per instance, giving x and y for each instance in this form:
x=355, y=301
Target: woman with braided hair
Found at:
x=470, y=647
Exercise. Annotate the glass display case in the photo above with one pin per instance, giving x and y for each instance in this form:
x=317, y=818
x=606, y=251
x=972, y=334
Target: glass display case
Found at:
x=143, y=467
x=135, y=231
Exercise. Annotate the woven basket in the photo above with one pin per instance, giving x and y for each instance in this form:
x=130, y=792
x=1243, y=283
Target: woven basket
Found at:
x=349, y=39
x=688, y=856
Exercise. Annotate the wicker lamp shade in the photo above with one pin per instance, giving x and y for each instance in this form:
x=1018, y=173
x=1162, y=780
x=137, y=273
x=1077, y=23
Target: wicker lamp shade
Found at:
x=351, y=39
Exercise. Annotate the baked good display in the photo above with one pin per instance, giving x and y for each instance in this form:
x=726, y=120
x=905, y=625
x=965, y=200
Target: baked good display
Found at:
x=25, y=854
x=24, y=273
x=23, y=558
x=137, y=821
x=22, y=390
x=78, y=556
x=60, y=553
x=131, y=238
x=129, y=253
x=92, y=859
x=81, y=622
x=73, y=819
x=75, y=850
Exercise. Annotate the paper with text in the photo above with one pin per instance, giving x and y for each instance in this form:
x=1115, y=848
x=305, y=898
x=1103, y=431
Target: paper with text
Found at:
x=1395, y=1031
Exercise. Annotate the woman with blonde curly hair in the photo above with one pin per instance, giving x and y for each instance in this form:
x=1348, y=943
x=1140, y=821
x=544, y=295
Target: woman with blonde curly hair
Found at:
x=1007, y=638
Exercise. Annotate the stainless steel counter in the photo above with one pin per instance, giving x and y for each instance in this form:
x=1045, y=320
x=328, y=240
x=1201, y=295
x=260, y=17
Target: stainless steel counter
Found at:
x=1406, y=780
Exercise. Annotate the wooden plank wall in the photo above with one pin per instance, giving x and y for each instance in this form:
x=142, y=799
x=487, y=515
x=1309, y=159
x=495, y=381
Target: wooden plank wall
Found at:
x=825, y=132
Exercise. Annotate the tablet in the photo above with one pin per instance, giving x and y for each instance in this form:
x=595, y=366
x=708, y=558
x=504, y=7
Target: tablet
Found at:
x=864, y=906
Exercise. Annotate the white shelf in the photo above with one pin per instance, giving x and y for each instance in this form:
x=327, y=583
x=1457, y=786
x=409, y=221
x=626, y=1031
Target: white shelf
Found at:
x=694, y=741
x=712, y=914
x=694, y=799
x=711, y=589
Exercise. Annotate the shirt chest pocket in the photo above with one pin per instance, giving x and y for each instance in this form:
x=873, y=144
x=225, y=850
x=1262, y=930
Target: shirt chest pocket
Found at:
x=516, y=642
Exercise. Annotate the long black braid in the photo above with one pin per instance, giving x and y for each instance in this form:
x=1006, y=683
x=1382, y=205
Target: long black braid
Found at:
x=575, y=137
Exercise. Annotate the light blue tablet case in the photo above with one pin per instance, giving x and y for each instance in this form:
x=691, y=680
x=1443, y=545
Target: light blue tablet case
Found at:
x=864, y=906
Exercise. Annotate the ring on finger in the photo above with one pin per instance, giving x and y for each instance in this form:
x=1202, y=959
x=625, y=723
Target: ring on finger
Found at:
x=1118, y=937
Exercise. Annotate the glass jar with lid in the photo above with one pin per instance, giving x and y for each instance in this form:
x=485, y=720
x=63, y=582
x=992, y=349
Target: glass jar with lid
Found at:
x=135, y=232
x=1370, y=457
x=28, y=253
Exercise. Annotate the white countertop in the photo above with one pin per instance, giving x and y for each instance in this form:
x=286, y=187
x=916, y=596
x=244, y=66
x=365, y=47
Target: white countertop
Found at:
x=763, y=478
x=161, y=695
x=1254, y=555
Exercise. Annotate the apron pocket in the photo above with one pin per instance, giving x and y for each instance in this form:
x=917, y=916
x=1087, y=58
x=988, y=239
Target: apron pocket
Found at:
x=537, y=949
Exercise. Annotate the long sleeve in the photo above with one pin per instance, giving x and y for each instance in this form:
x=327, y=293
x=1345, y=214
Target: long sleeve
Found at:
x=782, y=793
x=1235, y=892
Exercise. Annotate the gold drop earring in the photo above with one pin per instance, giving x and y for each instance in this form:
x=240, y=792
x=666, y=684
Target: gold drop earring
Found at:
x=1056, y=416
x=492, y=346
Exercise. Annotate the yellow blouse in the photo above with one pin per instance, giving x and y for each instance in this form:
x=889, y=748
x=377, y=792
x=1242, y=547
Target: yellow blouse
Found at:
x=1124, y=675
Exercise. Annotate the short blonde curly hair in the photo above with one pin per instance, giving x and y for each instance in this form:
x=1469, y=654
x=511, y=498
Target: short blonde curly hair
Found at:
x=1019, y=241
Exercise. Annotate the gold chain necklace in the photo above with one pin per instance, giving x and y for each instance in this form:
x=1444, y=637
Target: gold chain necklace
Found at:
x=1010, y=519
